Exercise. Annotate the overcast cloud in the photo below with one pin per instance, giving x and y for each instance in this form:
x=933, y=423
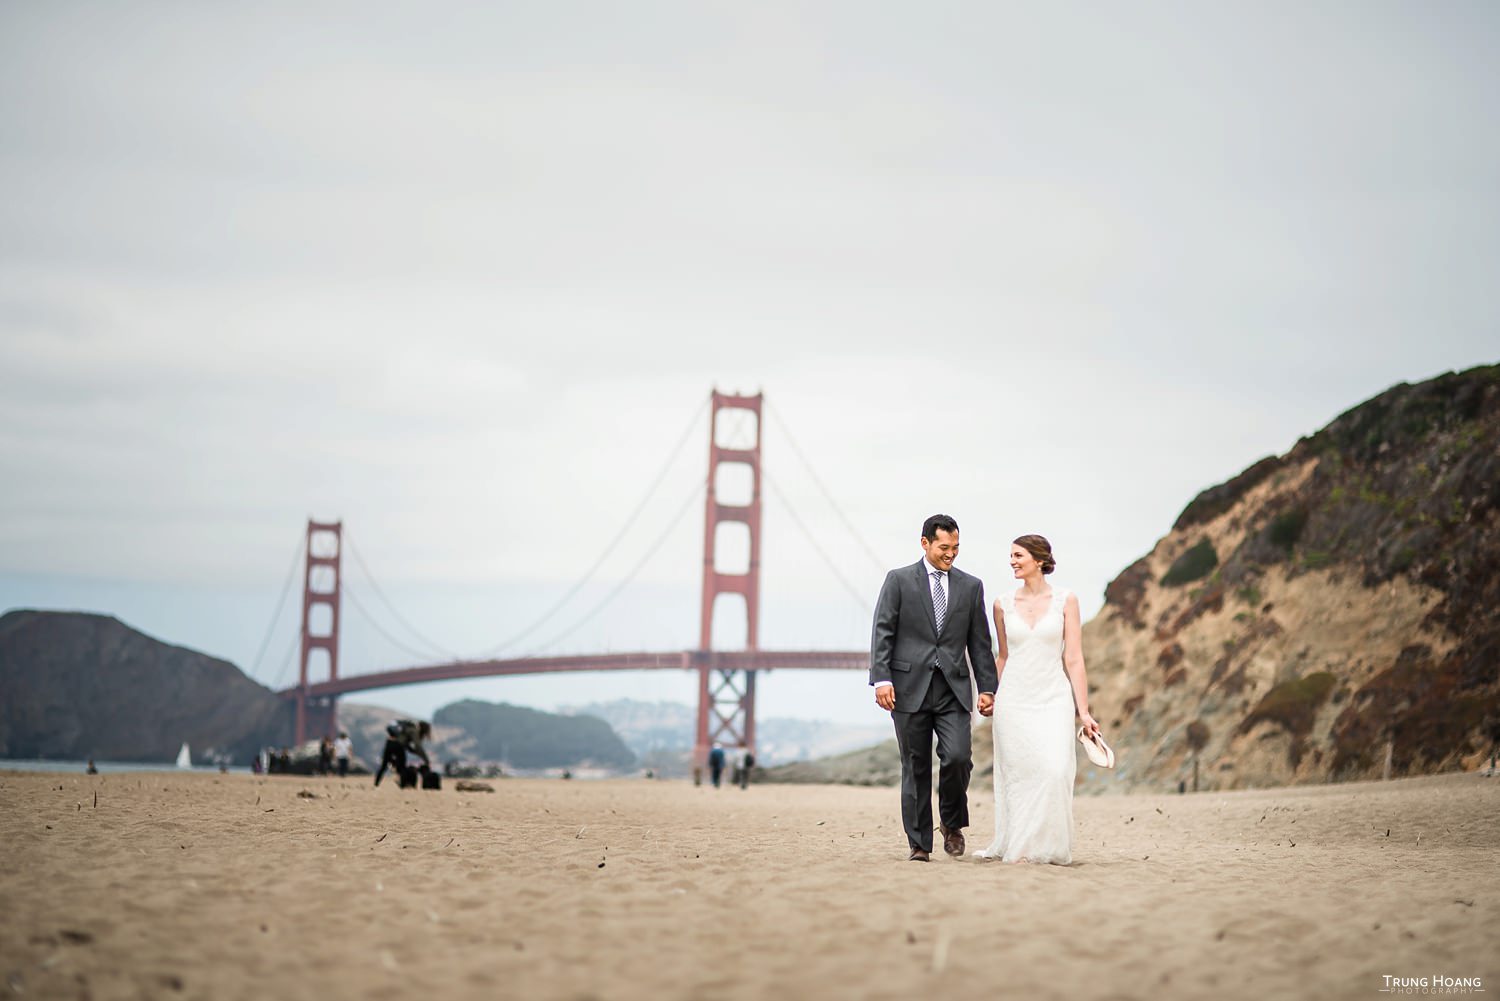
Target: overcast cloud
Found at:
x=462, y=276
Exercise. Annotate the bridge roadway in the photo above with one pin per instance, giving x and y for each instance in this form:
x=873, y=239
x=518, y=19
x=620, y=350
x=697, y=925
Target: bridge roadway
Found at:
x=685, y=660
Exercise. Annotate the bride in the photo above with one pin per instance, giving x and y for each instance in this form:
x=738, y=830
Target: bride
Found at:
x=1042, y=682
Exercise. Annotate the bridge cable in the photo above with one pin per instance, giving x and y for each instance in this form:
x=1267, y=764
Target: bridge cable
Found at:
x=608, y=550
x=655, y=548
x=827, y=494
x=280, y=604
x=348, y=592
x=833, y=567
x=286, y=664
x=369, y=577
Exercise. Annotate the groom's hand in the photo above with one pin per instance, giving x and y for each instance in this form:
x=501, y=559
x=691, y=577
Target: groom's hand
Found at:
x=885, y=697
x=986, y=704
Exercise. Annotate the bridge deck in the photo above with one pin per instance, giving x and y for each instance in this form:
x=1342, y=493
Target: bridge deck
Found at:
x=685, y=660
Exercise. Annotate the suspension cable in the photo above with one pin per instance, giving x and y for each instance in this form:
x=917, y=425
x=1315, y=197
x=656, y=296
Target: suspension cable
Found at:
x=437, y=648
x=621, y=584
x=280, y=604
x=827, y=494
x=286, y=664
x=609, y=550
x=348, y=592
x=833, y=567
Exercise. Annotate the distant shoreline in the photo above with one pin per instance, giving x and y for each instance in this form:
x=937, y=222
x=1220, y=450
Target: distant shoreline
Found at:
x=81, y=767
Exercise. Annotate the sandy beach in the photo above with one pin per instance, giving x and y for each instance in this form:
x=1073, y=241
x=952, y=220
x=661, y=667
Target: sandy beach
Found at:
x=233, y=886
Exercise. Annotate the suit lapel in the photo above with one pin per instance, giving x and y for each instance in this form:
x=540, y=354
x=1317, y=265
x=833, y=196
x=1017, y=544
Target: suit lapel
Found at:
x=924, y=582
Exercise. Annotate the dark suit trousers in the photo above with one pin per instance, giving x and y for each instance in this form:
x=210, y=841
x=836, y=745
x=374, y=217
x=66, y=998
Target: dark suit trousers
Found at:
x=944, y=715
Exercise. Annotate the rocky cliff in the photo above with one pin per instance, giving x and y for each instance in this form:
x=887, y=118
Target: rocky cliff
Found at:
x=1327, y=614
x=76, y=685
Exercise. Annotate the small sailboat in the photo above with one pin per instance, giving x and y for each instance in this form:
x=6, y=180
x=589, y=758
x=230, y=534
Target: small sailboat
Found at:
x=184, y=759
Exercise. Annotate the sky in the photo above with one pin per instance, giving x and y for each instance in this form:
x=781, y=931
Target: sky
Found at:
x=464, y=278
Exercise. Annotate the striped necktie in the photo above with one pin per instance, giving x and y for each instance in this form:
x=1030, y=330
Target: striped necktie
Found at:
x=939, y=600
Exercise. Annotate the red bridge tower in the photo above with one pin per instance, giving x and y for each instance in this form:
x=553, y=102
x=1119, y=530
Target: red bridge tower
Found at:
x=726, y=696
x=318, y=715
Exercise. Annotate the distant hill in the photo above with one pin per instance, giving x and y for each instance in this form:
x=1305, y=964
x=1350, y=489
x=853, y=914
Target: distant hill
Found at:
x=78, y=685
x=646, y=727
x=878, y=765
x=662, y=733
x=530, y=738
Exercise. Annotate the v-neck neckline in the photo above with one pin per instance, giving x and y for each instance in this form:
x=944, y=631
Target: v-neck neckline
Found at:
x=1031, y=626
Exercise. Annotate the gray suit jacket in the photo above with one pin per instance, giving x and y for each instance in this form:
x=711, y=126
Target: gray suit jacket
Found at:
x=905, y=644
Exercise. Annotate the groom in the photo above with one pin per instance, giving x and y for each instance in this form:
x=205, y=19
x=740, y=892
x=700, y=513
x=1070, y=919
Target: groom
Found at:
x=928, y=618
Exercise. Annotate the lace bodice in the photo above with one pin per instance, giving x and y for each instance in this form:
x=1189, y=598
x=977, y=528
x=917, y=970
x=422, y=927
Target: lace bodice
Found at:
x=1033, y=667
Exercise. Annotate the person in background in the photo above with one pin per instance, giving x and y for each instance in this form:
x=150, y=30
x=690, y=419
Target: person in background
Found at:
x=747, y=762
x=415, y=734
x=716, y=764
x=393, y=755
x=343, y=750
x=91, y=769
x=325, y=755
x=403, y=737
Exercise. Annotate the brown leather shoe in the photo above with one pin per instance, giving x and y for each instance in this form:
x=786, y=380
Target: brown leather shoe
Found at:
x=917, y=855
x=953, y=841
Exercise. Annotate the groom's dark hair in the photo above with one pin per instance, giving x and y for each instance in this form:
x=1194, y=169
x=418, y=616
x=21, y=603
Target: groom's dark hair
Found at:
x=938, y=521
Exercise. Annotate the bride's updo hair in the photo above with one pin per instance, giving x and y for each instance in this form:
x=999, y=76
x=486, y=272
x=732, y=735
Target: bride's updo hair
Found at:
x=1040, y=550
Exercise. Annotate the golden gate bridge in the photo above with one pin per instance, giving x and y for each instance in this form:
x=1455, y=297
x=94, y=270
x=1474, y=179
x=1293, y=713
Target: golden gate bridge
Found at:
x=726, y=678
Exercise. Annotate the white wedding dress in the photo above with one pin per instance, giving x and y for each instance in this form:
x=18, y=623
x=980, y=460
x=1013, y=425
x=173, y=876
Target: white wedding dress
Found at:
x=1034, y=758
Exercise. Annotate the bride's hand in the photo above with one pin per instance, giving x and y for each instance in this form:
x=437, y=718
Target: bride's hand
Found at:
x=1090, y=724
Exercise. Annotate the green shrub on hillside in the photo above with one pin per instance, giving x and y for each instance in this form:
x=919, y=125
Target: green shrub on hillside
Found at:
x=1293, y=704
x=1286, y=528
x=1195, y=564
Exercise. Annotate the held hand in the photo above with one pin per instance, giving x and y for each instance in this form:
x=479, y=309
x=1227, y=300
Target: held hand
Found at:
x=986, y=704
x=885, y=697
x=1090, y=724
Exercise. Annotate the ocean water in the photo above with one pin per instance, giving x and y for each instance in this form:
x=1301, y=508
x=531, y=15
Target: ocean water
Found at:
x=81, y=767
